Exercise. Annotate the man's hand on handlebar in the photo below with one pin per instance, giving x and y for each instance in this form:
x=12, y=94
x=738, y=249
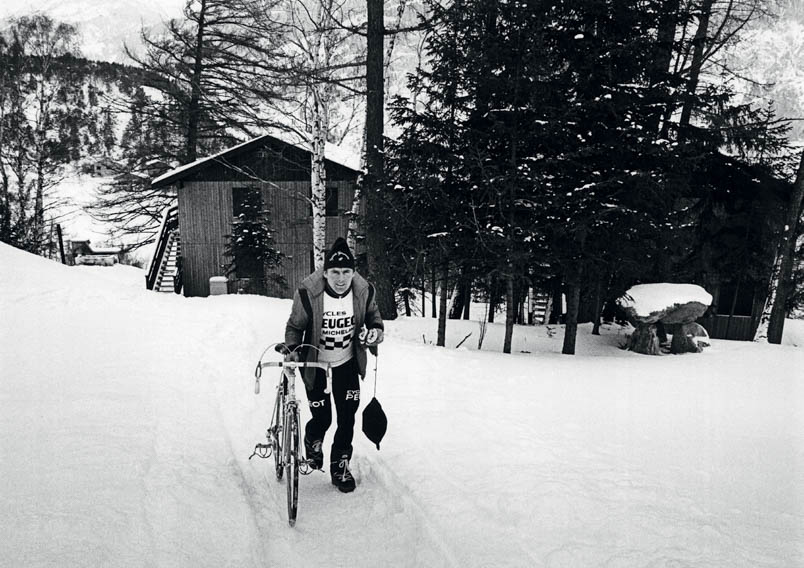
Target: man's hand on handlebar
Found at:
x=289, y=354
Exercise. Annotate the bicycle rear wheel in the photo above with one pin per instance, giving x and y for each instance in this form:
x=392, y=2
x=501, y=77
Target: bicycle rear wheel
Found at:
x=277, y=438
x=292, y=463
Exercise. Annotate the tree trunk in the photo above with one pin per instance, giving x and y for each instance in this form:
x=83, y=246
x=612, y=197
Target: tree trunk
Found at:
x=354, y=214
x=571, y=321
x=194, y=109
x=461, y=297
x=61, y=245
x=558, y=309
x=375, y=164
x=442, y=312
x=699, y=44
x=434, y=295
x=467, y=299
x=771, y=322
x=456, y=300
x=492, y=299
x=663, y=54
x=318, y=175
x=38, y=232
x=424, y=297
x=509, y=310
x=597, y=305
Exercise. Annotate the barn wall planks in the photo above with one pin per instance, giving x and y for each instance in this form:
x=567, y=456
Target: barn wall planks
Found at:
x=740, y=328
x=204, y=222
x=205, y=218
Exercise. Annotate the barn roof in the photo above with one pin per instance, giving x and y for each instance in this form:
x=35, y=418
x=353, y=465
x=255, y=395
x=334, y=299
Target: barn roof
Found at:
x=334, y=154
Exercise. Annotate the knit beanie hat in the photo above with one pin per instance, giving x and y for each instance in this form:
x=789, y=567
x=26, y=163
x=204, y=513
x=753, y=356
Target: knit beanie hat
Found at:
x=339, y=256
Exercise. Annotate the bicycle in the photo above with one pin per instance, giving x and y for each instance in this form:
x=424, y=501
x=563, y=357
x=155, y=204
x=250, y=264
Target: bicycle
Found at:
x=284, y=440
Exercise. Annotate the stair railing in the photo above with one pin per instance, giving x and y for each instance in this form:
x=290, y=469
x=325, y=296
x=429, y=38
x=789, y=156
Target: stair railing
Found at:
x=170, y=223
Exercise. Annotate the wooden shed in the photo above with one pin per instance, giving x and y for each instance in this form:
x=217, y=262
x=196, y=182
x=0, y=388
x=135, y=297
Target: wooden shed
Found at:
x=739, y=221
x=208, y=192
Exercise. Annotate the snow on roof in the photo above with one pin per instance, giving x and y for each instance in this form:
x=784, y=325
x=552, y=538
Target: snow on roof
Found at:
x=336, y=154
x=191, y=165
x=105, y=250
x=646, y=299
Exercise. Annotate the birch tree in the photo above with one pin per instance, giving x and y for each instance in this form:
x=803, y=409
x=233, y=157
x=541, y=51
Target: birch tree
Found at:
x=32, y=149
x=319, y=74
x=771, y=321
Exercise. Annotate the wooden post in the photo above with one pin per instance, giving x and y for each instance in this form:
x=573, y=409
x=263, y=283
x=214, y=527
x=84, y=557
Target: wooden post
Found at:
x=61, y=243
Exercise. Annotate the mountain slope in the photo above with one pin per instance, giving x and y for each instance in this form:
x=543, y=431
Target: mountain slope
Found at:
x=104, y=25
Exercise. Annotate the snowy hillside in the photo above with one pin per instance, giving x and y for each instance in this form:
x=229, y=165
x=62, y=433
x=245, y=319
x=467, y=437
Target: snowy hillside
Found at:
x=104, y=25
x=128, y=418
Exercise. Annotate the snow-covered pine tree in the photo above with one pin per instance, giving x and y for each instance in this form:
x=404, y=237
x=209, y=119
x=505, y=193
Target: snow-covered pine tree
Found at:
x=250, y=256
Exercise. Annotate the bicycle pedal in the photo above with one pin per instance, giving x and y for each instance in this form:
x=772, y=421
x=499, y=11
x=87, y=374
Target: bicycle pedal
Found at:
x=261, y=451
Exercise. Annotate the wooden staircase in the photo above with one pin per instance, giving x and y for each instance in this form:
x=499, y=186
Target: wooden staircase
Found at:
x=540, y=307
x=164, y=273
x=165, y=278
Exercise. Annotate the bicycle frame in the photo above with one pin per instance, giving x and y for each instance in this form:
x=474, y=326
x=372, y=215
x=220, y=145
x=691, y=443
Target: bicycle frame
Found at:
x=284, y=432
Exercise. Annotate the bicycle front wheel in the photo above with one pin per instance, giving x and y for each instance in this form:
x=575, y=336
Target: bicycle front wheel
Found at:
x=292, y=463
x=277, y=438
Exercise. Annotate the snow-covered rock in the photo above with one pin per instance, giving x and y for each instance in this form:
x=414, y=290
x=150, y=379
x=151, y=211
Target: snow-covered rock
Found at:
x=665, y=302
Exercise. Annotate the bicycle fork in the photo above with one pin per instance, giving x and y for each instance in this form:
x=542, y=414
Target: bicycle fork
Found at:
x=293, y=421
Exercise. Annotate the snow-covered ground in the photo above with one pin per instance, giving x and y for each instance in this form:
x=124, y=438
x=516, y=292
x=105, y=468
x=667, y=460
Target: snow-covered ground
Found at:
x=128, y=418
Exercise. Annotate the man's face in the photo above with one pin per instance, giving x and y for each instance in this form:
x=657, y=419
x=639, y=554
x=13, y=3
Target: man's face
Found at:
x=339, y=279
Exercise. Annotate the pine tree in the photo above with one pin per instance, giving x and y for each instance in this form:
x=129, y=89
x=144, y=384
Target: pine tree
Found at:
x=108, y=135
x=250, y=253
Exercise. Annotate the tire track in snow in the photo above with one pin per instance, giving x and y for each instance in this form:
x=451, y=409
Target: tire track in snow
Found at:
x=406, y=508
x=193, y=490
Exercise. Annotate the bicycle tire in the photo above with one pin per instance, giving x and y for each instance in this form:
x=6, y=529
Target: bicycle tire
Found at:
x=292, y=456
x=276, y=445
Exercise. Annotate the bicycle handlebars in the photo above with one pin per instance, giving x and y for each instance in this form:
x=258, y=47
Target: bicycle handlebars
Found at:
x=293, y=365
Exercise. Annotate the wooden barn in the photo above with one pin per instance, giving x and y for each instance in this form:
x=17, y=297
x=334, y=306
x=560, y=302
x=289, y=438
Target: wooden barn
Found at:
x=739, y=226
x=210, y=192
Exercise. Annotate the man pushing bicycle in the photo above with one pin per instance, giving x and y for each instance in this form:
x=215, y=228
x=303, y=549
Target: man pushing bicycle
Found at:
x=330, y=310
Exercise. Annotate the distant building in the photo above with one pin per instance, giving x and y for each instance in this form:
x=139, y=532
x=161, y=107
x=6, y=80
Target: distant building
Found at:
x=104, y=167
x=81, y=252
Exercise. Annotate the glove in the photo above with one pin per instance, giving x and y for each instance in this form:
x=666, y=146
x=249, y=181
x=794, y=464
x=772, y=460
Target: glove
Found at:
x=371, y=337
x=288, y=352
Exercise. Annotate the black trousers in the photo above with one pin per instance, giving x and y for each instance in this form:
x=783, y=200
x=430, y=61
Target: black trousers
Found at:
x=346, y=393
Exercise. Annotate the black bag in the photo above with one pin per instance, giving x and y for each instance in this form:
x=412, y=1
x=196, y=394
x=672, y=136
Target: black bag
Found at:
x=375, y=423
